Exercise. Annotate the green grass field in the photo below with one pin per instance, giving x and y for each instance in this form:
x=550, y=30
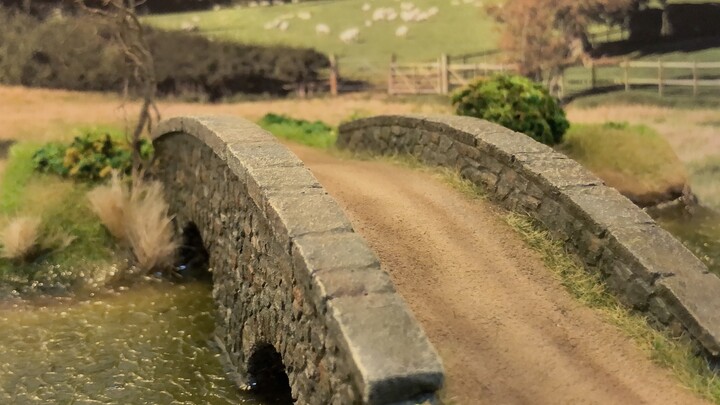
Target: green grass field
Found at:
x=458, y=29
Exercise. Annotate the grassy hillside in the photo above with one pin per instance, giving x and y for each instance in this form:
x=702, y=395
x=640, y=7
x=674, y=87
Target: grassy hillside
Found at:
x=456, y=29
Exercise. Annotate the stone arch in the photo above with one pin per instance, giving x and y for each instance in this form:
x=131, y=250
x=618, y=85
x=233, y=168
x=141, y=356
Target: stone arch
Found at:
x=288, y=269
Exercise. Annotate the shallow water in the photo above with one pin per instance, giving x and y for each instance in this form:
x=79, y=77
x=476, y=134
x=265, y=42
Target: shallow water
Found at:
x=149, y=344
x=700, y=232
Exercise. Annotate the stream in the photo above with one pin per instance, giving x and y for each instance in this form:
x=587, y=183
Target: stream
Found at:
x=700, y=232
x=147, y=344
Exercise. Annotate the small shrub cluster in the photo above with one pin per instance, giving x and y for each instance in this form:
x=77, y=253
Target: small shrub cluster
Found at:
x=517, y=103
x=90, y=157
x=77, y=53
x=138, y=217
x=316, y=134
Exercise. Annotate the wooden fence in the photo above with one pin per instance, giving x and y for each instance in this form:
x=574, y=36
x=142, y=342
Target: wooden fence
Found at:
x=659, y=73
x=441, y=77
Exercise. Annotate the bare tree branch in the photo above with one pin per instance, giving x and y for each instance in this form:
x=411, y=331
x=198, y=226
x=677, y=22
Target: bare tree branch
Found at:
x=129, y=34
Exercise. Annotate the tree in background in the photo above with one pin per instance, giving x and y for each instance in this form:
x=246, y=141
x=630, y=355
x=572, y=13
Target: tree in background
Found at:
x=546, y=36
x=129, y=33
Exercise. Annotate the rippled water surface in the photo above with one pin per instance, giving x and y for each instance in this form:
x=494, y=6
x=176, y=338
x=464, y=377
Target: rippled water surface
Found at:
x=700, y=232
x=147, y=345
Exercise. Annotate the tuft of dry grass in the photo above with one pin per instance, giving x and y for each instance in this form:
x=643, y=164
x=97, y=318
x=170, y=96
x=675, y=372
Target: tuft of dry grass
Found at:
x=108, y=202
x=20, y=238
x=139, y=217
x=149, y=227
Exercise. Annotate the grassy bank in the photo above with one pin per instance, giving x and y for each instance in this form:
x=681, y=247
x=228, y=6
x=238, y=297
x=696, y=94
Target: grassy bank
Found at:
x=634, y=159
x=316, y=134
x=61, y=205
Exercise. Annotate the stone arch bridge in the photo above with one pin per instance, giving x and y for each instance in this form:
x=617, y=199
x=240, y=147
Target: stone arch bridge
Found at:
x=293, y=281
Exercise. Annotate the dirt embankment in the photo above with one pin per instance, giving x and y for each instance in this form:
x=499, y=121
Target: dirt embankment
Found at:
x=505, y=328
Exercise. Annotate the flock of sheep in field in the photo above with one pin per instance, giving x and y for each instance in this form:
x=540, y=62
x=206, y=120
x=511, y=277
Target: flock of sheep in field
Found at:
x=406, y=13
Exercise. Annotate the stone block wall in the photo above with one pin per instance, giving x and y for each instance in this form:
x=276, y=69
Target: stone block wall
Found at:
x=644, y=265
x=288, y=269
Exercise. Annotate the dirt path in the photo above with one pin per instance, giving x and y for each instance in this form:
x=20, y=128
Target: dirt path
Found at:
x=506, y=330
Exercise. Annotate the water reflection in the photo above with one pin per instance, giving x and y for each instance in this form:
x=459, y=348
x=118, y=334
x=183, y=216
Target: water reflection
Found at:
x=149, y=345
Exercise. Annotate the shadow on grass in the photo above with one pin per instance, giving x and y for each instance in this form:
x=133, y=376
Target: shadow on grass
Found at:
x=655, y=47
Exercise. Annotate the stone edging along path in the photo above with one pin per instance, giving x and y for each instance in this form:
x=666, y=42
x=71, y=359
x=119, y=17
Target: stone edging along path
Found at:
x=289, y=272
x=643, y=264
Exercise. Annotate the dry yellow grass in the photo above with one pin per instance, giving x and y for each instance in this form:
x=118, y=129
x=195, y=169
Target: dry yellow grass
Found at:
x=108, y=203
x=149, y=227
x=138, y=217
x=19, y=237
x=40, y=114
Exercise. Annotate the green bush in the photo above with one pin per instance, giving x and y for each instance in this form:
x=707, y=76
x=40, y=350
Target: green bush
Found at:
x=517, y=103
x=316, y=134
x=76, y=53
x=90, y=157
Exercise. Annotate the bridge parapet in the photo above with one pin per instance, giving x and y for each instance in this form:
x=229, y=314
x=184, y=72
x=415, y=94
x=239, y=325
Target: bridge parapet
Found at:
x=290, y=275
x=644, y=265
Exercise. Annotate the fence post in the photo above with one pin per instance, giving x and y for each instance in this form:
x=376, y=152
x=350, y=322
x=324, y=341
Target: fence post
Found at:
x=444, y=73
x=333, y=75
x=391, y=74
x=593, y=75
x=626, y=66
x=695, y=78
x=660, y=78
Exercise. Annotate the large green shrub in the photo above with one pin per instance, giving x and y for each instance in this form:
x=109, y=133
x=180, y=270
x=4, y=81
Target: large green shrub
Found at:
x=517, y=103
x=89, y=157
x=77, y=53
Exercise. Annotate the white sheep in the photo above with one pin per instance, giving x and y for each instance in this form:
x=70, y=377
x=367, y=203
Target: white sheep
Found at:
x=350, y=35
x=366, y=7
x=322, y=29
x=422, y=16
x=195, y=19
x=304, y=15
x=409, y=15
x=406, y=6
x=253, y=4
x=271, y=25
x=401, y=31
x=368, y=23
x=378, y=14
x=432, y=11
x=188, y=26
x=284, y=25
x=391, y=15
x=264, y=3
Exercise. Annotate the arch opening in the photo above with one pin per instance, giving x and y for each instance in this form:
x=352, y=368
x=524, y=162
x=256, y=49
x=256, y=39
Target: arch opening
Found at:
x=193, y=258
x=267, y=375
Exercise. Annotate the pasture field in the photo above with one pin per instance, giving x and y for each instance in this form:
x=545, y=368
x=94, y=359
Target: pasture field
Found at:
x=455, y=29
x=460, y=27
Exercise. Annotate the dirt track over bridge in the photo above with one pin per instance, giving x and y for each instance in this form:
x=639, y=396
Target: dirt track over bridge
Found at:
x=506, y=329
